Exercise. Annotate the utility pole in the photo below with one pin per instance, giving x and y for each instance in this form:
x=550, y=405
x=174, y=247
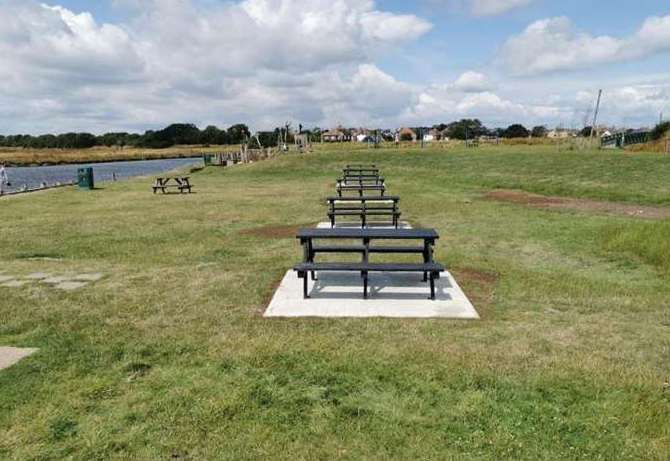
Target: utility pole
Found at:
x=595, y=114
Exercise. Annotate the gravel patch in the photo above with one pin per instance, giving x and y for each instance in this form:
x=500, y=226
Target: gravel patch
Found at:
x=56, y=280
x=88, y=277
x=38, y=276
x=14, y=284
x=71, y=286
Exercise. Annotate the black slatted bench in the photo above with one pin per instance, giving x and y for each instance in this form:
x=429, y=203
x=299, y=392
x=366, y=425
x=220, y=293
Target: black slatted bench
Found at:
x=360, y=179
x=429, y=268
x=360, y=169
x=361, y=188
x=364, y=208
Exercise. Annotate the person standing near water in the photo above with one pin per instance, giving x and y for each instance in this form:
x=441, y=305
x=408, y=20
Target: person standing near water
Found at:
x=4, y=180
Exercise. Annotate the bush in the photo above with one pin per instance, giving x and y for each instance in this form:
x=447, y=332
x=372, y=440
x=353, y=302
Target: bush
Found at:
x=659, y=131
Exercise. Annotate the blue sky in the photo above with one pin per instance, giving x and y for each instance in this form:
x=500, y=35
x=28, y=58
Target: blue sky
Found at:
x=138, y=64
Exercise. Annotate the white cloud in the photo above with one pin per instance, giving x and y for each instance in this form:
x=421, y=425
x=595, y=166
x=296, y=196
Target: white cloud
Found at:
x=472, y=82
x=495, y=7
x=258, y=61
x=555, y=44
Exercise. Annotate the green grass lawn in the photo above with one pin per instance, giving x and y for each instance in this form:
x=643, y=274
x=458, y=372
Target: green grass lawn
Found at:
x=169, y=357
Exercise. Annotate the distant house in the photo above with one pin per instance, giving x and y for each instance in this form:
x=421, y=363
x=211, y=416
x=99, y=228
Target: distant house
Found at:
x=336, y=135
x=361, y=135
x=560, y=133
x=406, y=134
x=432, y=135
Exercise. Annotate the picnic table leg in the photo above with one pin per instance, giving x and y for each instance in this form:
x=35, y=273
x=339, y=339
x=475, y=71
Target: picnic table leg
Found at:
x=305, y=295
x=365, y=285
x=311, y=258
x=432, y=286
x=425, y=260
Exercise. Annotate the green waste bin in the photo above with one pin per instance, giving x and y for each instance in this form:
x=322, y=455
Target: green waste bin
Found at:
x=85, y=178
x=207, y=159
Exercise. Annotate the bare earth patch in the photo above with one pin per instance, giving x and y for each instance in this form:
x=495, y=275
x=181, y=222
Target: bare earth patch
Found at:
x=579, y=204
x=478, y=286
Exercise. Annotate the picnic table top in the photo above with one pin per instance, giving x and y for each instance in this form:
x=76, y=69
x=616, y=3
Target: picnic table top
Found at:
x=361, y=186
x=173, y=177
x=343, y=233
x=375, y=198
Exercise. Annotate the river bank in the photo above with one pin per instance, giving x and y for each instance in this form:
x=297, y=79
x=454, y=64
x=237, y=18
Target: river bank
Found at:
x=19, y=157
x=39, y=178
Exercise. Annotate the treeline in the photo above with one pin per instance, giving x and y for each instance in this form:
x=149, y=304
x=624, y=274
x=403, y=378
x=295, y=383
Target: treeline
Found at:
x=474, y=128
x=175, y=134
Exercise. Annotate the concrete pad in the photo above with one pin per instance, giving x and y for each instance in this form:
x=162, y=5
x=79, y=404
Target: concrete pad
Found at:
x=38, y=276
x=71, y=286
x=88, y=277
x=397, y=295
x=354, y=225
x=6, y=278
x=14, y=284
x=11, y=355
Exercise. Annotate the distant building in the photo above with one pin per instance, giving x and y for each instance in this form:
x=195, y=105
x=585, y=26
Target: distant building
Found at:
x=362, y=135
x=406, y=134
x=560, y=133
x=336, y=135
x=432, y=135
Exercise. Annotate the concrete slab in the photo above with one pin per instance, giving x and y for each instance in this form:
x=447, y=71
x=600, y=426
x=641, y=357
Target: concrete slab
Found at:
x=71, y=286
x=15, y=283
x=397, y=295
x=88, y=277
x=11, y=355
x=353, y=225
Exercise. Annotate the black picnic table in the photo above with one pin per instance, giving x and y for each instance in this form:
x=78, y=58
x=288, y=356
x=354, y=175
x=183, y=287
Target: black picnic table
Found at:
x=363, y=207
x=360, y=179
x=361, y=189
x=430, y=269
x=182, y=183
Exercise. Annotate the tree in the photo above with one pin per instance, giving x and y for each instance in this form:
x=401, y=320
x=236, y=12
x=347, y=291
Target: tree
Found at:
x=466, y=129
x=516, y=131
x=212, y=135
x=659, y=131
x=539, y=132
x=238, y=133
x=586, y=132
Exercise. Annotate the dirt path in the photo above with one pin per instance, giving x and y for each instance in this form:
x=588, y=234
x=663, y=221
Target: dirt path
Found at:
x=579, y=204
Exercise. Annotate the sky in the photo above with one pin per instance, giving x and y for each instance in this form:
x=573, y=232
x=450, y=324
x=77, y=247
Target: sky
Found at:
x=133, y=65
